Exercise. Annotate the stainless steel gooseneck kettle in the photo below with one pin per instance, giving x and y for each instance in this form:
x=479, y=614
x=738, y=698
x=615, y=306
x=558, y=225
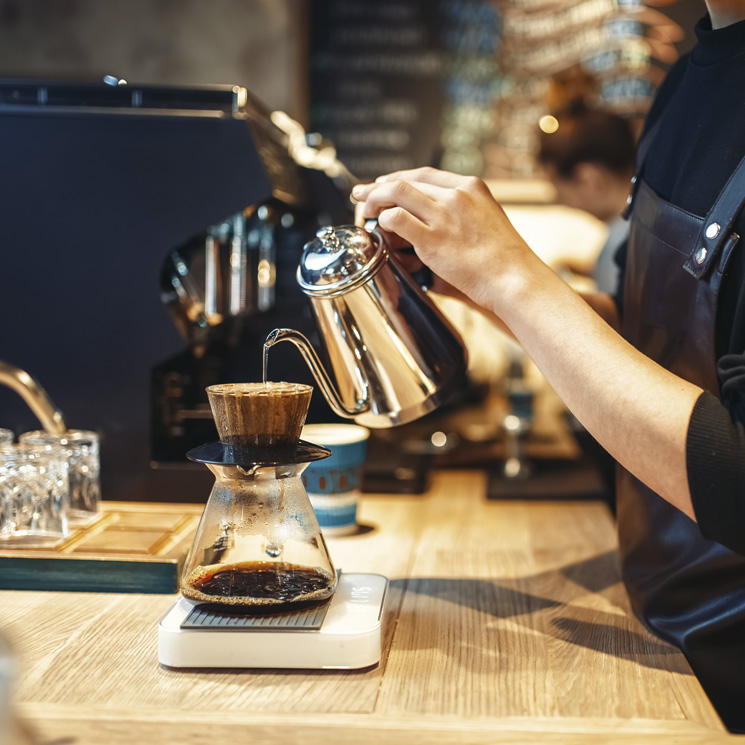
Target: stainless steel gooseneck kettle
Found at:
x=394, y=355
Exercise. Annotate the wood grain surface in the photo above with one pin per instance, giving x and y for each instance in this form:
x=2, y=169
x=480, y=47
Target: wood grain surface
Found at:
x=506, y=622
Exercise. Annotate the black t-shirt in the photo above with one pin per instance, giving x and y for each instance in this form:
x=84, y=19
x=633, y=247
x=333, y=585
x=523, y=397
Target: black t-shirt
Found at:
x=699, y=143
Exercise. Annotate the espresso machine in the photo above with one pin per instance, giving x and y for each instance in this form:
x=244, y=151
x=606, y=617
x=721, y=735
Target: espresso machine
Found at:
x=151, y=236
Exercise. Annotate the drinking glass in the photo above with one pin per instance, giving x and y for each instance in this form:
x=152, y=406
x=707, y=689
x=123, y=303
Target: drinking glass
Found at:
x=81, y=448
x=34, y=494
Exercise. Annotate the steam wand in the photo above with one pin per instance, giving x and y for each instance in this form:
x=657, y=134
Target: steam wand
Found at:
x=35, y=396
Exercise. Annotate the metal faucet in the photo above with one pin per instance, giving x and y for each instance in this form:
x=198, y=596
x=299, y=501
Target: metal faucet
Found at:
x=35, y=396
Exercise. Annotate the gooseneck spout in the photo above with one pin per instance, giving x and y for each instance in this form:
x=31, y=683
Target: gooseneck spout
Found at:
x=330, y=393
x=35, y=396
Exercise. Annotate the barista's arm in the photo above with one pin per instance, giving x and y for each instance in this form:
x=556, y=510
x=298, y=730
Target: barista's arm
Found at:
x=636, y=409
x=601, y=302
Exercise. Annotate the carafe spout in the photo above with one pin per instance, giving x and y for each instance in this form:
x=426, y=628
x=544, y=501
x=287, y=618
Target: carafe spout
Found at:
x=329, y=390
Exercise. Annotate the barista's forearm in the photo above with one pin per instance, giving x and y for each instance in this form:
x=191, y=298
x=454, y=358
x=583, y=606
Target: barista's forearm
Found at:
x=450, y=291
x=601, y=302
x=605, y=306
x=636, y=409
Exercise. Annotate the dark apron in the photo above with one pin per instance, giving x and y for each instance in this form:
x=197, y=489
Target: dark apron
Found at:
x=688, y=590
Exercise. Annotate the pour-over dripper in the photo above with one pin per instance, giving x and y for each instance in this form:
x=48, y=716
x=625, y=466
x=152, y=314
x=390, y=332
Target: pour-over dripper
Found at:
x=259, y=415
x=258, y=545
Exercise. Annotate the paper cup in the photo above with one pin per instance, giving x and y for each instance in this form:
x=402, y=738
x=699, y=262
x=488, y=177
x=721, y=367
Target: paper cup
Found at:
x=333, y=484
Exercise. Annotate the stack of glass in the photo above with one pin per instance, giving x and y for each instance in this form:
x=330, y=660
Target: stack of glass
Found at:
x=47, y=483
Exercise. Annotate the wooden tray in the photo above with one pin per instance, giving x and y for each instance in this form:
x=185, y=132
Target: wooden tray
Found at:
x=130, y=547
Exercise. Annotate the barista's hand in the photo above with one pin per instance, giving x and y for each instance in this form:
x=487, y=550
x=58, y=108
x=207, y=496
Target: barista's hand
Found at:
x=455, y=226
x=407, y=257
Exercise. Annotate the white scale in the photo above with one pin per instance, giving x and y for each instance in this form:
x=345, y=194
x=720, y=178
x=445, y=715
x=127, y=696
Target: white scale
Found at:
x=343, y=634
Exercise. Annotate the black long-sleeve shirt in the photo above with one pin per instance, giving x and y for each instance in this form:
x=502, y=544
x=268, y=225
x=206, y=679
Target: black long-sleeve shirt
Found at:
x=698, y=145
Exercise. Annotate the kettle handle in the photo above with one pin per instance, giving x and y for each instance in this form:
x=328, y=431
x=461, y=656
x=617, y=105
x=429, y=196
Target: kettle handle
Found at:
x=328, y=389
x=423, y=276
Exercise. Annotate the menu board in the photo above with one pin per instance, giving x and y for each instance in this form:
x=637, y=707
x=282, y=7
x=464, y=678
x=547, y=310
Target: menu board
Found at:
x=376, y=82
x=462, y=84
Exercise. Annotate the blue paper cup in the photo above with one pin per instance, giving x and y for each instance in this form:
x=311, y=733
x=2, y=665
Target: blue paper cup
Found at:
x=333, y=484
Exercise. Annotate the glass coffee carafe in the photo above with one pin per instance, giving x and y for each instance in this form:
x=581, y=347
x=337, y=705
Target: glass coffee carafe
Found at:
x=258, y=546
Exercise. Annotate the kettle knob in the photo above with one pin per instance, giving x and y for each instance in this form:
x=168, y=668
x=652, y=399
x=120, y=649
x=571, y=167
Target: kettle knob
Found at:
x=329, y=239
x=340, y=259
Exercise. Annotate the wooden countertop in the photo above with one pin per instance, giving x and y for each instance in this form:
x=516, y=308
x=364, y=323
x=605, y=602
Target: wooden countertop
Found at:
x=507, y=622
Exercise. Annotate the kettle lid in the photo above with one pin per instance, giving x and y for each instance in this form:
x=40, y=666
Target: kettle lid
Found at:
x=340, y=259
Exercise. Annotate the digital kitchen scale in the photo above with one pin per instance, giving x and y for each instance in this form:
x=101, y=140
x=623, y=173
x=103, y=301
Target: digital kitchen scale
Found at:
x=344, y=633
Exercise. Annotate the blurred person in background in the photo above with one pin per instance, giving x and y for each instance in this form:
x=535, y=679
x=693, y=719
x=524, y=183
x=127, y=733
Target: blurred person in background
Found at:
x=589, y=159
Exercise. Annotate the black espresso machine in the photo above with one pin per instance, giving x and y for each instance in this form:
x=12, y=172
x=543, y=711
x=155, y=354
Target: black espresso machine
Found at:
x=150, y=238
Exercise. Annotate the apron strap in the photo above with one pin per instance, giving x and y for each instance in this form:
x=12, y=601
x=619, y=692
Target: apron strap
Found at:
x=641, y=158
x=716, y=231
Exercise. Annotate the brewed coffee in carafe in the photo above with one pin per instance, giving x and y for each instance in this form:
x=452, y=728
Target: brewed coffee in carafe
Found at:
x=258, y=546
